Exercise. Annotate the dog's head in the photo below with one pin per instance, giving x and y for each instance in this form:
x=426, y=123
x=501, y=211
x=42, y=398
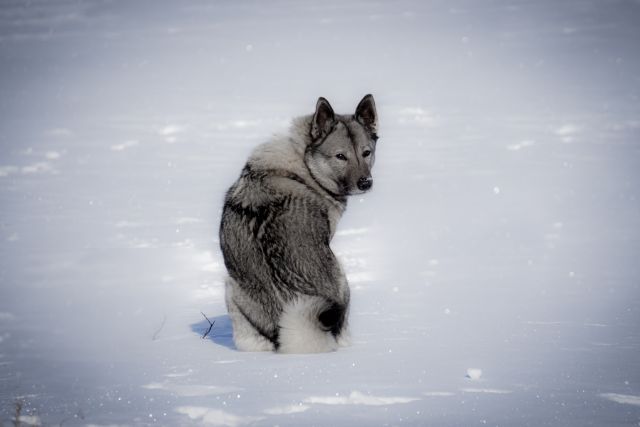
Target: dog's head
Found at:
x=342, y=148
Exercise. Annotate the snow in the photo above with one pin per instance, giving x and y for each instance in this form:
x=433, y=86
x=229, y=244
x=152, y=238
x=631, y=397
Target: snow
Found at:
x=474, y=373
x=622, y=398
x=216, y=417
x=358, y=398
x=502, y=232
x=485, y=390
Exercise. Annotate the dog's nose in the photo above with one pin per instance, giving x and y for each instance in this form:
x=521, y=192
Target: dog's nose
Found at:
x=365, y=183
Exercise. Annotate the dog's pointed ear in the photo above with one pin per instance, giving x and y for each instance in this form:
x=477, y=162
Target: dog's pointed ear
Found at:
x=322, y=119
x=366, y=113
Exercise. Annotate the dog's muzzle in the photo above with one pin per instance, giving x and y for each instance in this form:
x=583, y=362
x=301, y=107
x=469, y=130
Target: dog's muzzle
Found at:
x=365, y=183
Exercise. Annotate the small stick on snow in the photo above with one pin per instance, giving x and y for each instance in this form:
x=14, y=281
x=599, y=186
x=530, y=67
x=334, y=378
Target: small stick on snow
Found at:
x=210, y=325
x=156, y=333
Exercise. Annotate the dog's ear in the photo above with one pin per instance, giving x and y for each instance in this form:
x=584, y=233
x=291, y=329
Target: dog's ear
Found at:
x=322, y=119
x=366, y=113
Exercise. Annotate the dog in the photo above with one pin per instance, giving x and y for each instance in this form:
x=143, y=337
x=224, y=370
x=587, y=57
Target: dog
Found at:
x=286, y=290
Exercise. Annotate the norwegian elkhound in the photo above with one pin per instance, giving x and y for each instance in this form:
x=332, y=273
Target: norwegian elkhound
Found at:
x=286, y=290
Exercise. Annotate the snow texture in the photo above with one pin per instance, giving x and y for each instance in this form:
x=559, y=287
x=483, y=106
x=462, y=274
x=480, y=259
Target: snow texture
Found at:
x=502, y=232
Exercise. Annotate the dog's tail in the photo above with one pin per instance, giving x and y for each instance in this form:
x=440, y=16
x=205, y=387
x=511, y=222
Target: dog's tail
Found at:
x=311, y=324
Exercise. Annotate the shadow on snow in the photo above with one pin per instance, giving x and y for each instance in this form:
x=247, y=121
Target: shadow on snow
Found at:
x=221, y=333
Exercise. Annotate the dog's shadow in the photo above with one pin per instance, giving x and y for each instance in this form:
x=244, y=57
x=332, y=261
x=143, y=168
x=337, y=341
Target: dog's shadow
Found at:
x=221, y=333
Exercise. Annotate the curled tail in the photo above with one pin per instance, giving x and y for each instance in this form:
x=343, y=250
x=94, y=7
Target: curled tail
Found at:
x=311, y=324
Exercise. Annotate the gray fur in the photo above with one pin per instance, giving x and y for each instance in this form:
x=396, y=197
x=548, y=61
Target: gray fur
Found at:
x=277, y=224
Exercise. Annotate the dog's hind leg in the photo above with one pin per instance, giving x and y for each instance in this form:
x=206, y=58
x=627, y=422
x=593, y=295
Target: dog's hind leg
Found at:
x=245, y=336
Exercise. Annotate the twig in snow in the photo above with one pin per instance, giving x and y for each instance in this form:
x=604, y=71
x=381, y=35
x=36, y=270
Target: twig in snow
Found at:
x=156, y=333
x=18, y=411
x=210, y=325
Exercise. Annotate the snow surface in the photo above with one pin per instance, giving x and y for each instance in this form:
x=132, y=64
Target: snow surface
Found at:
x=502, y=233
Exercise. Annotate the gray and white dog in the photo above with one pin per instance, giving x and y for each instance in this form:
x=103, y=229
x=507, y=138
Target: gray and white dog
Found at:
x=286, y=290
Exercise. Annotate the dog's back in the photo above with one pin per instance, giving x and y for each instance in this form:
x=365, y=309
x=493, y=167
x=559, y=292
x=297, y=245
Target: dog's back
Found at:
x=286, y=290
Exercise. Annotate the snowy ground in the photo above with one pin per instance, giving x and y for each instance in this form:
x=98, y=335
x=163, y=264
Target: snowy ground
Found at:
x=502, y=233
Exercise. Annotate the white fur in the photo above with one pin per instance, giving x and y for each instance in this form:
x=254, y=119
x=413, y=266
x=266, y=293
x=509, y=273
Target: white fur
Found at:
x=247, y=339
x=344, y=339
x=300, y=330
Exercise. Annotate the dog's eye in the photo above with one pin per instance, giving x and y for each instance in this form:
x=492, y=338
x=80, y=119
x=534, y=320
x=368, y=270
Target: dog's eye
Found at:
x=366, y=153
x=341, y=156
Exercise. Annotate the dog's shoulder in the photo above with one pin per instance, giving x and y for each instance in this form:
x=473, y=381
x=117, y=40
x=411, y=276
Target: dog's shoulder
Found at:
x=278, y=166
x=283, y=152
x=276, y=179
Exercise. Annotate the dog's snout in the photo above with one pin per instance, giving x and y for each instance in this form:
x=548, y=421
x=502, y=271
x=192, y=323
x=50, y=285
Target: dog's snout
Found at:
x=365, y=183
